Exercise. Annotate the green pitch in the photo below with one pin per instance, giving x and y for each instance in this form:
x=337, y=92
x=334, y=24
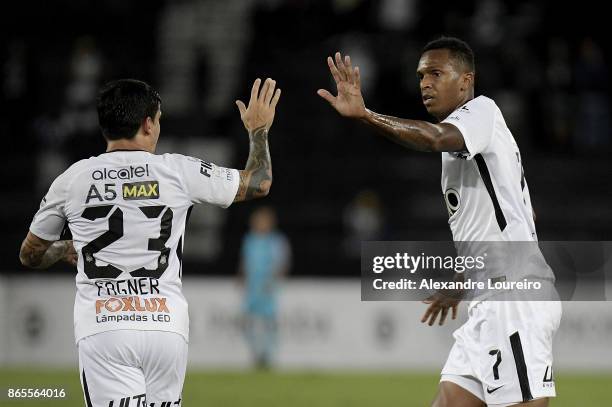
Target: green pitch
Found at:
x=298, y=389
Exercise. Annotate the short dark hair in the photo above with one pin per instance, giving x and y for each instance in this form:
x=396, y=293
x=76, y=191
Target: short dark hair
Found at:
x=123, y=105
x=459, y=50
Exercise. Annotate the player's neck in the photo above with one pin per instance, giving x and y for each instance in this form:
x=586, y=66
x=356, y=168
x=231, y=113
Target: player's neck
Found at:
x=468, y=96
x=132, y=144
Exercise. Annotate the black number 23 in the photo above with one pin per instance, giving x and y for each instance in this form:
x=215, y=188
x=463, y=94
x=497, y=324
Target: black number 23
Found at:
x=115, y=232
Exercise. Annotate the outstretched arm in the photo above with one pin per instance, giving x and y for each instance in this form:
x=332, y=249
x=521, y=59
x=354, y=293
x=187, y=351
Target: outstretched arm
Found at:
x=256, y=178
x=414, y=134
x=417, y=134
x=40, y=254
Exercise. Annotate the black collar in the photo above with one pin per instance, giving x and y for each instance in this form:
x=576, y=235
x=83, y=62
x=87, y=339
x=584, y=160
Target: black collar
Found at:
x=123, y=149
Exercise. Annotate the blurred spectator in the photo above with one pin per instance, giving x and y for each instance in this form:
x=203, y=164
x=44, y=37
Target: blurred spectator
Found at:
x=265, y=259
x=363, y=220
x=201, y=54
x=75, y=133
x=398, y=15
x=14, y=70
x=593, y=127
x=488, y=22
x=557, y=102
x=79, y=120
x=359, y=48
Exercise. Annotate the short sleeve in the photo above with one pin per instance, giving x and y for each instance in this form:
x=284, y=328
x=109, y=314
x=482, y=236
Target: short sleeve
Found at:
x=49, y=221
x=207, y=182
x=475, y=120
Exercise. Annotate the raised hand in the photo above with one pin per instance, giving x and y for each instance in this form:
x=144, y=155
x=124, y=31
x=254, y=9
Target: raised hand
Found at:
x=349, y=102
x=439, y=304
x=262, y=105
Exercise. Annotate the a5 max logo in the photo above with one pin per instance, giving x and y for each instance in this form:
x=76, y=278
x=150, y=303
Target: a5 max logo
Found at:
x=141, y=190
x=130, y=191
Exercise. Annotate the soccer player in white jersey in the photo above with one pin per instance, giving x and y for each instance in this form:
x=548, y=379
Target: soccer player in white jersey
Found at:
x=126, y=210
x=503, y=355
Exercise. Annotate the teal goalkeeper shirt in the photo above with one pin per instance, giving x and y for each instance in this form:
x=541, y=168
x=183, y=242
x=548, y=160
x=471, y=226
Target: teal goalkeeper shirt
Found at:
x=263, y=255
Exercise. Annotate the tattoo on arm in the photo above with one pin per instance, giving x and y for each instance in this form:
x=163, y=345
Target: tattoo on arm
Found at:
x=414, y=134
x=256, y=178
x=40, y=255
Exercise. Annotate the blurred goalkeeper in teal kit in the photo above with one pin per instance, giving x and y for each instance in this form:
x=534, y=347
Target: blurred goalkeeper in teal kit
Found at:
x=265, y=259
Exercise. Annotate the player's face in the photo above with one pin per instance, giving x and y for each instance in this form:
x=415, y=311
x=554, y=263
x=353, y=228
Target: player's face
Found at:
x=442, y=85
x=263, y=220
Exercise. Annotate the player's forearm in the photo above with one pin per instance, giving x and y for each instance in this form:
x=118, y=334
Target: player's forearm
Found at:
x=256, y=179
x=38, y=256
x=414, y=134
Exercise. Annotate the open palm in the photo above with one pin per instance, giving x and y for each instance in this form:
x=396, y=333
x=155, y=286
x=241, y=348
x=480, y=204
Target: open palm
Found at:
x=349, y=102
x=262, y=105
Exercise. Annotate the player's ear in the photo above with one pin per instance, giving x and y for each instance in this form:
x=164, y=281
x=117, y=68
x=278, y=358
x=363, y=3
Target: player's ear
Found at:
x=148, y=125
x=467, y=80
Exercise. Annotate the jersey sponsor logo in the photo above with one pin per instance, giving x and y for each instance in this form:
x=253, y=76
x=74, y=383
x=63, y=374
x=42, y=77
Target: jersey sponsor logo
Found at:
x=101, y=195
x=121, y=173
x=205, y=168
x=140, y=190
x=133, y=303
x=452, y=200
x=228, y=174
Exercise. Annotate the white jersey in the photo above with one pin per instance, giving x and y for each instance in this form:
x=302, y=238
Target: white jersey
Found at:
x=484, y=187
x=126, y=211
x=488, y=200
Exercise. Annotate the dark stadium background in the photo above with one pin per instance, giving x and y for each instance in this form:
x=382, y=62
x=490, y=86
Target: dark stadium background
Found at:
x=545, y=63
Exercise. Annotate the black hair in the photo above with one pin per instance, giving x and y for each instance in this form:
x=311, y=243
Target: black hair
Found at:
x=459, y=50
x=123, y=105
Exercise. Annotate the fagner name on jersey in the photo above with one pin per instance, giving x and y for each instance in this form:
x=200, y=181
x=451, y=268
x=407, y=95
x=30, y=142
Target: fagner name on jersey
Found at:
x=137, y=286
x=121, y=173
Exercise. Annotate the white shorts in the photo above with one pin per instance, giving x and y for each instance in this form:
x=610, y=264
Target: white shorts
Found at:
x=503, y=353
x=130, y=368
